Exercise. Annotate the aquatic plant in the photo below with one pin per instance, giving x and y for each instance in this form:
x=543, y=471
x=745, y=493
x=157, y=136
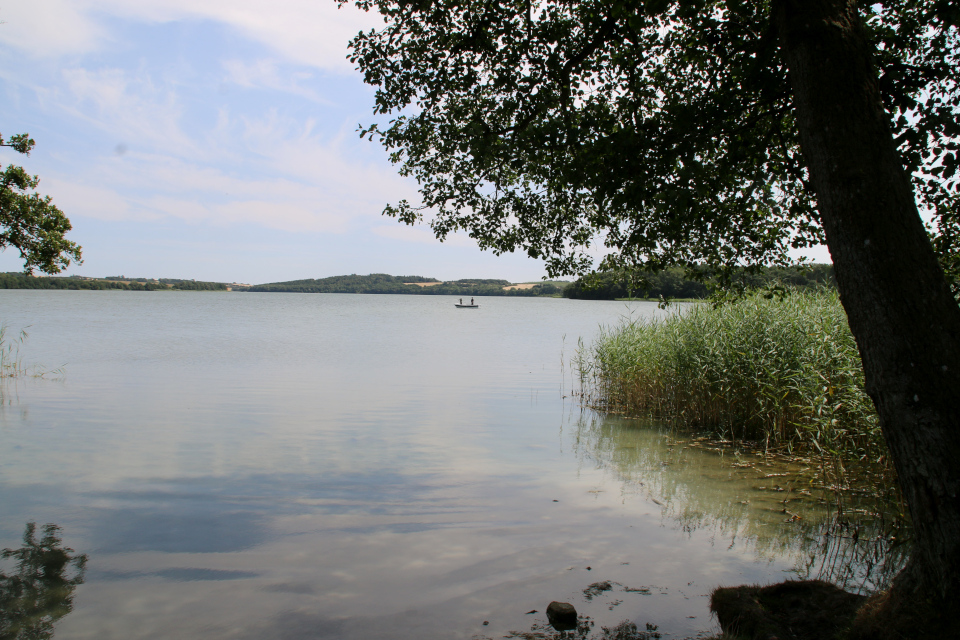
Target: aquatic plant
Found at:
x=775, y=505
x=782, y=370
x=584, y=630
x=11, y=364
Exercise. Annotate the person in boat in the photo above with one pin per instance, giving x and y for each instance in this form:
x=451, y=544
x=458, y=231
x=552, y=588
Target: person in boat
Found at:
x=471, y=302
x=461, y=300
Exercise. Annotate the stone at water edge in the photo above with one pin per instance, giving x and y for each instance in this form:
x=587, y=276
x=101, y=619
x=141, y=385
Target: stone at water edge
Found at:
x=562, y=615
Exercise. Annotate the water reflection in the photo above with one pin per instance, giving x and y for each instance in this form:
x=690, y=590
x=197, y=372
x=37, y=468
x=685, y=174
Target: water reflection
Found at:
x=773, y=506
x=40, y=590
x=294, y=467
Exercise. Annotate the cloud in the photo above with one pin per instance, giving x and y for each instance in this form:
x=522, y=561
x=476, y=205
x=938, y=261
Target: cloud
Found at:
x=140, y=186
x=421, y=234
x=406, y=233
x=138, y=132
x=249, y=156
x=303, y=216
x=49, y=28
x=264, y=74
x=285, y=216
x=309, y=32
x=77, y=199
x=129, y=107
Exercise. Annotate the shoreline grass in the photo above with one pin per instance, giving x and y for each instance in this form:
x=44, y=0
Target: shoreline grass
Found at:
x=781, y=370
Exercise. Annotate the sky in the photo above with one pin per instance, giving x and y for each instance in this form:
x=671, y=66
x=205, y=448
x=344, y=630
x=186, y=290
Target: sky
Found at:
x=214, y=140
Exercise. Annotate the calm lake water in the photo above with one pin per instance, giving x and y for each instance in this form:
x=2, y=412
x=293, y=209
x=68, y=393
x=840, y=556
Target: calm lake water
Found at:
x=294, y=466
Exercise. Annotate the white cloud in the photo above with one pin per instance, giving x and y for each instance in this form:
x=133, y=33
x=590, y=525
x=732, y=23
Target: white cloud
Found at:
x=77, y=199
x=285, y=216
x=421, y=234
x=264, y=74
x=303, y=215
x=155, y=186
x=272, y=214
x=128, y=107
x=406, y=233
x=309, y=32
x=49, y=28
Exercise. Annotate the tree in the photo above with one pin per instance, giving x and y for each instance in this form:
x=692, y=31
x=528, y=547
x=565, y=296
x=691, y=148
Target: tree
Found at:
x=28, y=221
x=718, y=133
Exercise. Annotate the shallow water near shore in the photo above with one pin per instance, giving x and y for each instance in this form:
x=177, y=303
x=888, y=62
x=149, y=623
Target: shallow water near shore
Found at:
x=346, y=466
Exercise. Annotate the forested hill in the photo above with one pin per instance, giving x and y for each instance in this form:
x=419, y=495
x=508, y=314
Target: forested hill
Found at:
x=671, y=283
x=416, y=285
x=373, y=283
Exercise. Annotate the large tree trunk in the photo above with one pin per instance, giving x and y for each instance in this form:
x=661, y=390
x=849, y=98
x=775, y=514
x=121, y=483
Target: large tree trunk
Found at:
x=906, y=323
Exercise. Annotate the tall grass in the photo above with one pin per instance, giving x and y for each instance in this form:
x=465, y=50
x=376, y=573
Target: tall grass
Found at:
x=783, y=371
x=11, y=365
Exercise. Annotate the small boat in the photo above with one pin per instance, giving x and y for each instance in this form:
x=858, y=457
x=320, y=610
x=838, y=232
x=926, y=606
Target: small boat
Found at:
x=466, y=306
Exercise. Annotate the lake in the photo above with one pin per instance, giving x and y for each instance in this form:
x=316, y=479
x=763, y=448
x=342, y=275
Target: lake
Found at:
x=294, y=466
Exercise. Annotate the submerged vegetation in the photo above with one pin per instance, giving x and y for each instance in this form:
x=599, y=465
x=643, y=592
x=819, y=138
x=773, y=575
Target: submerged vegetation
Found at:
x=782, y=370
x=775, y=505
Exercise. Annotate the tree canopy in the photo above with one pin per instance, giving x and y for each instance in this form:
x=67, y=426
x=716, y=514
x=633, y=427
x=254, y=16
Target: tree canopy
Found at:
x=29, y=222
x=664, y=131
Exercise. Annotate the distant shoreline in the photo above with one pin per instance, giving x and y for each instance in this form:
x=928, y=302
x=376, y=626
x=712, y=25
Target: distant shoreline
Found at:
x=668, y=284
x=373, y=283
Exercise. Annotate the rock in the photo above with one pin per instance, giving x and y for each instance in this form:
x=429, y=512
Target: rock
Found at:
x=562, y=616
x=796, y=609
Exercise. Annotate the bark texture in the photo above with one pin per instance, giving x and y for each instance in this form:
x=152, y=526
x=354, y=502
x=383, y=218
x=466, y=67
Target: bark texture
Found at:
x=906, y=323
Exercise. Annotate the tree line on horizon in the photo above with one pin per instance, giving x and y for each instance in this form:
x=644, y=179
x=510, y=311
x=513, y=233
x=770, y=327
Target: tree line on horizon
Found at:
x=668, y=283
x=675, y=282
x=19, y=280
x=374, y=283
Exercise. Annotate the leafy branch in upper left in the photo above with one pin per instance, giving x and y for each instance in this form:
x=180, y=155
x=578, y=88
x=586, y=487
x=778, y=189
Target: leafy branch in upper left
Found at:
x=29, y=222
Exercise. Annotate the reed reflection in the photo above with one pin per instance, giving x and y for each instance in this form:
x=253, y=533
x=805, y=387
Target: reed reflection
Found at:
x=773, y=506
x=39, y=591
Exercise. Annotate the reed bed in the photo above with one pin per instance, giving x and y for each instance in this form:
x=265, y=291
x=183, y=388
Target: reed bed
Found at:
x=779, y=370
